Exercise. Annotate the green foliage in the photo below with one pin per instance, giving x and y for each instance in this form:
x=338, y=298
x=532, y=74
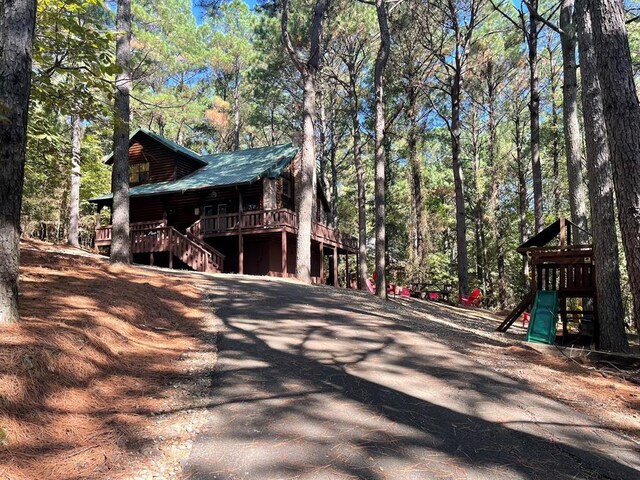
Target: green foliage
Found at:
x=72, y=59
x=190, y=79
x=73, y=73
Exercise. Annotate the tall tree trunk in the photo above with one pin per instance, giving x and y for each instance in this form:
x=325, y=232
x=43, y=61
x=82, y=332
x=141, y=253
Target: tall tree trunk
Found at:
x=622, y=117
x=522, y=194
x=415, y=171
x=323, y=138
x=603, y=226
x=17, y=21
x=554, y=81
x=458, y=178
x=479, y=213
x=74, y=210
x=497, y=222
x=236, y=111
x=534, y=115
x=333, y=164
x=380, y=65
x=306, y=181
x=360, y=181
x=306, y=178
x=572, y=138
x=180, y=136
x=120, y=242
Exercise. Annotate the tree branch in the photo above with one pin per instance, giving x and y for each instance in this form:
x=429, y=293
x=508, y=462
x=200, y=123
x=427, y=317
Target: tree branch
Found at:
x=286, y=39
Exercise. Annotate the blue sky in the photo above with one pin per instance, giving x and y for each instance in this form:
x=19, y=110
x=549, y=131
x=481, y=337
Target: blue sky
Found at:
x=198, y=12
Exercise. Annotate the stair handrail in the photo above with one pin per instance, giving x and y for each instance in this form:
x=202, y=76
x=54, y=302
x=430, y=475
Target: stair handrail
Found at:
x=189, y=232
x=212, y=251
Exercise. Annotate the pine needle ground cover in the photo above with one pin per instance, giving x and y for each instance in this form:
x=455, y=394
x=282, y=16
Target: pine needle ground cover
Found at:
x=93, y=365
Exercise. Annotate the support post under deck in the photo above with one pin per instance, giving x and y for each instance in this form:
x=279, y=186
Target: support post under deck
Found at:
x=240, y=252
x=284, y=252
x=335, y=266
x=346, y=275
x=321, y=280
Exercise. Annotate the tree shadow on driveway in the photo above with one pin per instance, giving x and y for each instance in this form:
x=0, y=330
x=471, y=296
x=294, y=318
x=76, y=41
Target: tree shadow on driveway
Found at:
x=309, y=386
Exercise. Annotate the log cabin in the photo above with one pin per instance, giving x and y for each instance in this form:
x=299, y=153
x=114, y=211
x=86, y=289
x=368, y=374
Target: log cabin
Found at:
x=230, y=212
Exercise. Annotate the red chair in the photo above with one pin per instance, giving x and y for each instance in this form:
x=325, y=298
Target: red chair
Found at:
x=472, y=300
x=370, y=286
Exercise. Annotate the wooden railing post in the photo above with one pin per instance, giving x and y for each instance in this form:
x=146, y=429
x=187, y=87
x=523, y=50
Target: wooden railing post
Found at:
x=240, y=245
x=170, y=236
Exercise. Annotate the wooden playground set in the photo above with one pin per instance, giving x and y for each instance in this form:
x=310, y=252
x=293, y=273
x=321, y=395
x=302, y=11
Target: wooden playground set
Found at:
x=561, y=282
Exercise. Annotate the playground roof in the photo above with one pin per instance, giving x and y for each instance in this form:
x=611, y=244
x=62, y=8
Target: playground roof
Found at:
x=545, y=236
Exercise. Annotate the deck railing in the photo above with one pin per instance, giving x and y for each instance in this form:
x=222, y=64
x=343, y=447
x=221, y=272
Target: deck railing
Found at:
x=265, y=219
x=103, y=234
x=229, y=223
x=152, y=237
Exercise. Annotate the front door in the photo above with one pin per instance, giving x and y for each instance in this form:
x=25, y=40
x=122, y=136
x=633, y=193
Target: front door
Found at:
x=221, y=221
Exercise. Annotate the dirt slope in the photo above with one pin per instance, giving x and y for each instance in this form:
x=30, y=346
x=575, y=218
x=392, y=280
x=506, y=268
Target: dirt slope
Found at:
x=95, y=361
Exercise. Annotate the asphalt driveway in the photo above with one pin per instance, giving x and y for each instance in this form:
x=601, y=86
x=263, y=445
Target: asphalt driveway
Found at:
x=320, y=383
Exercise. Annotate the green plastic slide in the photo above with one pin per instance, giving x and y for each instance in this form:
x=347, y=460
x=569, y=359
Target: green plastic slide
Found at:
x=544, y=316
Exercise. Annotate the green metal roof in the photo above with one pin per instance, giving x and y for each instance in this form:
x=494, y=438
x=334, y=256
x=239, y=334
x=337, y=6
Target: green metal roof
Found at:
x=170, y=144
x=223, y=169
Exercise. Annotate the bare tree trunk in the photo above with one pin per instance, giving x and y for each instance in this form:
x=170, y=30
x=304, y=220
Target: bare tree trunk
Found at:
x=236, y=111
x=554, y=81
x=120, y=242
x=478, y=210
x=380, y=65
x=357, y=160
x=458, y=178
x=323, y=139
x=74, y=215
x=534, y=115
x=17, y=21
x=180, y=136
x=306, y=184
x=603, y=226
x=622, y=117
x=333, y=188
x=497, y=218
x=522, y=194
x=415, y=172
x=572, y=138
x=334, y=220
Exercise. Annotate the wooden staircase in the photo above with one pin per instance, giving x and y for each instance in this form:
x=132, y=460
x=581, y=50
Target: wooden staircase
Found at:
x=158, y=237
x=526, y=302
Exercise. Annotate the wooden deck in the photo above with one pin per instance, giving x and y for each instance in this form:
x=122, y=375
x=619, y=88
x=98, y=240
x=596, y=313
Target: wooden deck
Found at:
x=157, y=237
x=268, y=220
x=192, y=249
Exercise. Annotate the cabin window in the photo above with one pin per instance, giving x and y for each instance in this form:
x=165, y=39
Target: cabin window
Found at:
x=286, y=188
x=139, y=173
x=251, y=204
x=212, y=209
x=287, y=200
